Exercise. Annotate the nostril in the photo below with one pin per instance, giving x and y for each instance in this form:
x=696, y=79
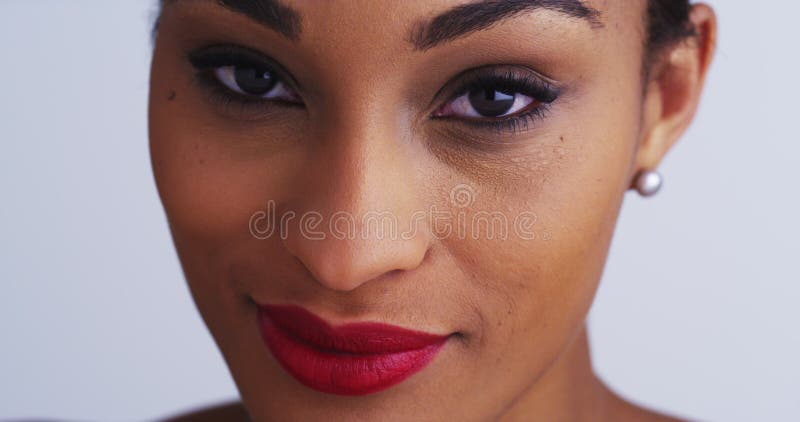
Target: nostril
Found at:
x=393, y=273
x=344, y=265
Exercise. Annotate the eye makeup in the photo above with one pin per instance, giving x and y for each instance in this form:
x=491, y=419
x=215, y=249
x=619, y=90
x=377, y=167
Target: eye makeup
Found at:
x=493, y=99
x=208, y=63
x=501, y=81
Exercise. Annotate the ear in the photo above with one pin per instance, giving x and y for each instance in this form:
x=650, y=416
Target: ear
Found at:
x=674, y=88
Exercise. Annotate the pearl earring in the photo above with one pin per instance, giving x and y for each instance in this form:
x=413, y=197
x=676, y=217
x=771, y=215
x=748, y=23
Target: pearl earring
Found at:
x=648, y=183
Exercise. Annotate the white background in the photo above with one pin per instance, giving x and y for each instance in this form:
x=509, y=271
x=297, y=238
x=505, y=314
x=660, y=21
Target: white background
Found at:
x=698, y=311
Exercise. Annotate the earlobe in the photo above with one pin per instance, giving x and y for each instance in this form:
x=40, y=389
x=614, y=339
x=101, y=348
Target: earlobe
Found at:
x=674, y=89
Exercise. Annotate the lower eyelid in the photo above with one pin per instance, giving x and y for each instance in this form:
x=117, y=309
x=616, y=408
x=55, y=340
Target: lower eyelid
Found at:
x=493, y=136
x=510, y=125
x=232, y=105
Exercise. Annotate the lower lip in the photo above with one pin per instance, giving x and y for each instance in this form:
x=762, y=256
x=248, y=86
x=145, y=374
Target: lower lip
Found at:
x=353, y=359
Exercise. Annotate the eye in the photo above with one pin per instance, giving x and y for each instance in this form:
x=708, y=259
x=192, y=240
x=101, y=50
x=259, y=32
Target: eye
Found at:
x=488, y=103
x=255, y=82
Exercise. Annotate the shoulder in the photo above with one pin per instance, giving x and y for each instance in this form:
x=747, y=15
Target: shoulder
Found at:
x=229, y=412
x=625, y=411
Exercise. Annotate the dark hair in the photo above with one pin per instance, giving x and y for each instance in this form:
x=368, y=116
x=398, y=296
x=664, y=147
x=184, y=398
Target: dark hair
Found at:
x=667, y=23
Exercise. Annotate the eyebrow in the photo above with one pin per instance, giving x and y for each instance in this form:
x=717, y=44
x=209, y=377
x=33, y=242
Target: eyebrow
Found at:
x=457, y=22
x=270, y=13
x=472, y=17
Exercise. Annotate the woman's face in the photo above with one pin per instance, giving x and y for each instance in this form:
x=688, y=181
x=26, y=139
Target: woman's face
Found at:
x=463, y=165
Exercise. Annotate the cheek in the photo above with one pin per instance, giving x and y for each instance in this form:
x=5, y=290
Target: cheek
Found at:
x=210, y=191
x=534, y=294
x=212, y=175
x=206, y=193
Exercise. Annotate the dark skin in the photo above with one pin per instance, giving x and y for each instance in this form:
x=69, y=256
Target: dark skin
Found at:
x=368, y=117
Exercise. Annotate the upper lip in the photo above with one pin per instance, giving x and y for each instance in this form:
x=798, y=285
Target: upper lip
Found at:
x=358, y=338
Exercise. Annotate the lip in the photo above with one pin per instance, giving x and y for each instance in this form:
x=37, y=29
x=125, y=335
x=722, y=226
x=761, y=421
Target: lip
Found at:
x=352, y=359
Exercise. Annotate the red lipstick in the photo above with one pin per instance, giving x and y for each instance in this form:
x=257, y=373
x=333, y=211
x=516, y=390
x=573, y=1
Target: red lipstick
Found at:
x=351, y=359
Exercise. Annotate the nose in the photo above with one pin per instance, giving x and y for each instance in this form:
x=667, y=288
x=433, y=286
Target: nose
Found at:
x=361, y=185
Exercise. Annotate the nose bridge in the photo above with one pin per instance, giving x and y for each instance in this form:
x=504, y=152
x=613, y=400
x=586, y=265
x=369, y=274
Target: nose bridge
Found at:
x=361, y=182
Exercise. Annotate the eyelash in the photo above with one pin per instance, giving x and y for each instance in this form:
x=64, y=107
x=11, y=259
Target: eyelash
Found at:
x=502, y=78
x=507, y=80
x=207, y=59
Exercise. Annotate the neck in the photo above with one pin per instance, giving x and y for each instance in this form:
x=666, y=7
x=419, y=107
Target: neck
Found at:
x=568, y=391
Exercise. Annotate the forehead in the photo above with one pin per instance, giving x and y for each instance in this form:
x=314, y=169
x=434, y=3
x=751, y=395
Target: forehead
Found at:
x=427, y=22
x=339, y=40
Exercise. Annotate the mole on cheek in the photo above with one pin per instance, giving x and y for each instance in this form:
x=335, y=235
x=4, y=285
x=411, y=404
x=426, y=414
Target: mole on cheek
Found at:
x=172, y=96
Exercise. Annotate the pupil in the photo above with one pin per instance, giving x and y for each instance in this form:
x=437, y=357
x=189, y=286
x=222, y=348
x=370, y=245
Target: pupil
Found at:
x=254, y=81
x=490, y=102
